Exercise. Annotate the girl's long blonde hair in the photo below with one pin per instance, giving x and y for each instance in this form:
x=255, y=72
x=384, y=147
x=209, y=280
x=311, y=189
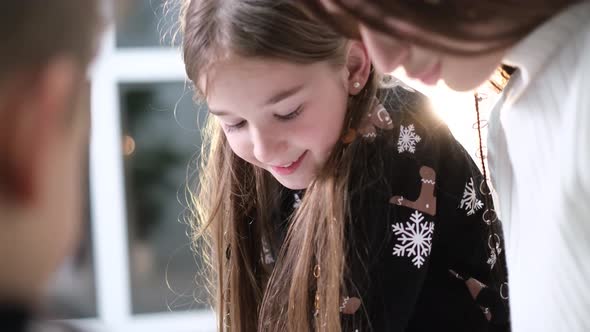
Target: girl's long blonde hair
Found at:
x=234, y=206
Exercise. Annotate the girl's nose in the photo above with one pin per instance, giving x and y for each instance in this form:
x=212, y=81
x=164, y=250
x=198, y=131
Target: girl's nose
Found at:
x=267, y=147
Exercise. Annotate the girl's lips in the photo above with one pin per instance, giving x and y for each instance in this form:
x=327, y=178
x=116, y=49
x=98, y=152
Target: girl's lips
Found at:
x=291, y=168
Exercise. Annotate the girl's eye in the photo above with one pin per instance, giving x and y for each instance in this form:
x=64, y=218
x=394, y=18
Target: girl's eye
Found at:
x=230, y=128
x=291, y=115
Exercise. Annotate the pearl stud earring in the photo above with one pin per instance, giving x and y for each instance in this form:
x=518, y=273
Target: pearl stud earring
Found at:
x=356, y=85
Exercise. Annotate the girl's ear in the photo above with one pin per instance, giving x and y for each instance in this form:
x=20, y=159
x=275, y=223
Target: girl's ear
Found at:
x=358, y=65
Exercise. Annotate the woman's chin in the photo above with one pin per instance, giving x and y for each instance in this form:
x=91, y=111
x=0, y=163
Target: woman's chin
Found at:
x=463, y=85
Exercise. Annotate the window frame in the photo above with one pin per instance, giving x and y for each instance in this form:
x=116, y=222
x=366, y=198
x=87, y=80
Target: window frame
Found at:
x=112, y=67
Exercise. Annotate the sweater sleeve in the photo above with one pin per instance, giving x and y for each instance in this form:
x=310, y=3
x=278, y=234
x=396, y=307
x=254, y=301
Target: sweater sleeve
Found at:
x=572, y=247
x=474, y=238
x=14, y=318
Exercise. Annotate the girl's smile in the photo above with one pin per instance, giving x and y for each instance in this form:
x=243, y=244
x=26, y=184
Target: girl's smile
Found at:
x=289, y=168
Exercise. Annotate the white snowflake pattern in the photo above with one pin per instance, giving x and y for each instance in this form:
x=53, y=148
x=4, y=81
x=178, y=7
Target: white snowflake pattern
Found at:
x=267, y=256
x=492, y=259
x=407, y=139
x=415, y=237
x=470, y=202
x=296, y=201
x=495, y=250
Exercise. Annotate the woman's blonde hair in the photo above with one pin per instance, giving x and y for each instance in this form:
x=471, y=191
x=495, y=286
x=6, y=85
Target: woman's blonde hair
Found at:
x=234, y=206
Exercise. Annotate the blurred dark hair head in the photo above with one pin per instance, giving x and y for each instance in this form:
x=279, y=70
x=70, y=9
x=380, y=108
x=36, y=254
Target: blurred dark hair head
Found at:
x=35, y=31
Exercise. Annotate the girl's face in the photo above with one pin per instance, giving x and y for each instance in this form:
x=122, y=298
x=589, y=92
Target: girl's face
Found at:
x=279, y=116
x=461, y=73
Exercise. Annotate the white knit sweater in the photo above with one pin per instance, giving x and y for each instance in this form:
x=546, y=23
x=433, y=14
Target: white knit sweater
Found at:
x=539, y=156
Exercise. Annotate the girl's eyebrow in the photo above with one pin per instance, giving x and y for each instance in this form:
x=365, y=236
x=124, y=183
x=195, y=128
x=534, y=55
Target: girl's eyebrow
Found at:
x=279, y=96
x=284, y=94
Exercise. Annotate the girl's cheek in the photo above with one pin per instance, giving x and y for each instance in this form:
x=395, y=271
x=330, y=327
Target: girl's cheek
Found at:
x=241, y=146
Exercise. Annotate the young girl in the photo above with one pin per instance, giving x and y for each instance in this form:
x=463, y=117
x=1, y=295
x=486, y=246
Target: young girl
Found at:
x=539, y=130
x=326, y=203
